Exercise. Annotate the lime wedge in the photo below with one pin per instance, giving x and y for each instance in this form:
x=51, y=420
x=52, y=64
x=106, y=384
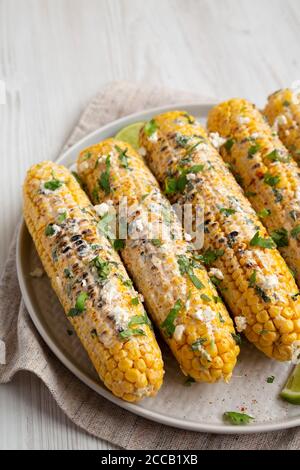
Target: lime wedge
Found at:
x=130, y=134
x=291, y=391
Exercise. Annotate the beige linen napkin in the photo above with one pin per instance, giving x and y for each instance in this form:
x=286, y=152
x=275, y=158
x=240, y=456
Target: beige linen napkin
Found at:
x=25, y=350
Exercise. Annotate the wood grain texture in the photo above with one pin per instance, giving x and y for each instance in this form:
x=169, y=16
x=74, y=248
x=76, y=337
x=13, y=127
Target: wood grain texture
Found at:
x=56, y=54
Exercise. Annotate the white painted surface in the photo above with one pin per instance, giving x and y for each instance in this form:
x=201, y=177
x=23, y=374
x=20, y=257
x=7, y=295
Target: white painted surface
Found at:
x=56, y=54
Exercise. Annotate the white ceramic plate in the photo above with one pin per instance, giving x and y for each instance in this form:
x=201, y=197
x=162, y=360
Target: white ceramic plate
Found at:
x=199, y=407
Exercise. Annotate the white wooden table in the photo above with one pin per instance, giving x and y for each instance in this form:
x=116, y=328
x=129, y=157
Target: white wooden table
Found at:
x=56, y=54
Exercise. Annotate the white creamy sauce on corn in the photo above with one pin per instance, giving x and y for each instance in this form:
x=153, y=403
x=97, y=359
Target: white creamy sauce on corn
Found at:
x=111, y=296
x=216, y=273
x=216, y=139
x=178, y=333
x=280, y=120
x=121, y=316
x=187, y=237
x=102, y=208
x=243, y=119
x=83, y=166
x=206, y=316
x=296, y=352
x=241, y=323
x=142, y=151
x=269, y=282
x=153, y=137
x=254, y=135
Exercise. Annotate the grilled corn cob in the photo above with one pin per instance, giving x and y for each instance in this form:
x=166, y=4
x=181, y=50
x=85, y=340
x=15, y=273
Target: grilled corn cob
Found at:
x=283, y=114
x=178, y=293
x=91, y=283
x=254, y=279
x=264, y=168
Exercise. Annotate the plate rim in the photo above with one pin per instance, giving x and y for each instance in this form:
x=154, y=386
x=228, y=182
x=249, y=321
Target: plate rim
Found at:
x=179, y=423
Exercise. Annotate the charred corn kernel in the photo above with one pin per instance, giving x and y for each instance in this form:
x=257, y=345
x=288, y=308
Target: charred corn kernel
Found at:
x=85, y=273
x=265, y=170
x=255, y=281
x=283, y=113
x=175, y=286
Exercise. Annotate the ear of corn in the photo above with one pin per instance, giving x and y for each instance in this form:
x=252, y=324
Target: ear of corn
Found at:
x=253, y=278
x=268, y=174
x=283, y=113
x=178, y=293
x=91, y=283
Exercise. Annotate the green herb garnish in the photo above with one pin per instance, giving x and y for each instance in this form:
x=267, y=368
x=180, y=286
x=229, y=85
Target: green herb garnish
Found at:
x=150, y=127
x=134, y=301
x=295, y=231
x=123, y=157
x=227, y=211
x=131, y=332
x=79, y=306
x=102, y=267
x=236, y=418
x=53, y=184
x=228, y=144
x=270, y=379
x=209, y=256
x=262, y=242
x=271, y=180
x=199, y=342
x=280, y=237
x=168, y=324
x=61, y=217
x=264, y=213
x=237, y=338
x=253, y=150
x=104, y=177
x=49, y=230
x=186, y=267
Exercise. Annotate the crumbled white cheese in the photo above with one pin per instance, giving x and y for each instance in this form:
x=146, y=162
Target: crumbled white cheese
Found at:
x=102, y=208
x=179, y=330
x=205, y=315
x=142, y=151
x=61, y=210
x=216, y=273
x=141, y=298
x=269, y=282
x=37, y=272
x=254, y=135
x=216, y=139
x=243, y=119
x=83, y=166
x=187, y=304
x=281, y=120
x=190, y=176
x=296, y=352
x=287, y=132
x=187, y=237
x=83, y=283
x=241, y=323
x=153, y=137
x=121, y=316
x=110, y=292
